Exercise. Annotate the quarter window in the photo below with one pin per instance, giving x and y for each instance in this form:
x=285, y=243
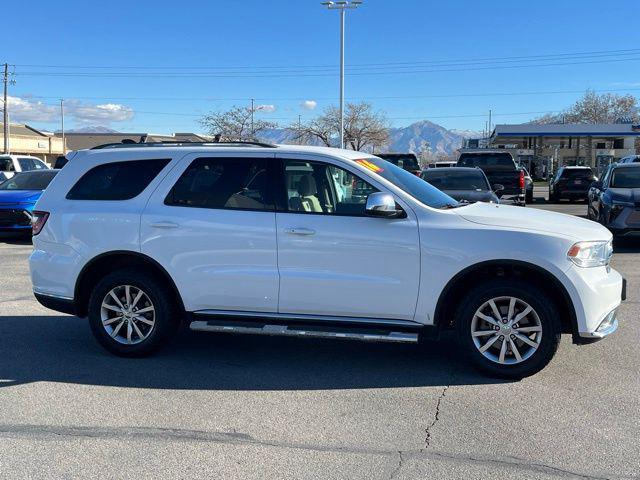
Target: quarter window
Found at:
x=325, y=189
x=116, y=180
x=234, y=183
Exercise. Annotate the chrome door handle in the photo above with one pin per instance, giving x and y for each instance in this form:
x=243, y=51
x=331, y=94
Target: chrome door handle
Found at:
x=164, y=225
x=299, y=231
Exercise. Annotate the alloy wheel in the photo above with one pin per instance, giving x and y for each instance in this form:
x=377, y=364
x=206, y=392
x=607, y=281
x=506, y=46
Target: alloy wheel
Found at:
x=506, y=330
x=128, y=314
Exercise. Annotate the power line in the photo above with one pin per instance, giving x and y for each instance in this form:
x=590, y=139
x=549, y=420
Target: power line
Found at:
x=359, y=97
x=597, y=53
x=304, y=73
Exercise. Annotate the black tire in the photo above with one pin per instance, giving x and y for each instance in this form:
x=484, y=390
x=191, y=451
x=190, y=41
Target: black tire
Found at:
x=541, y=303
x=167, y=316
x=528, y=197
x=553, y=198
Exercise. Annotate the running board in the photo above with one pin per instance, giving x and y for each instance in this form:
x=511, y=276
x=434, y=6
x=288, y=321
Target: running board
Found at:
x=314, y=331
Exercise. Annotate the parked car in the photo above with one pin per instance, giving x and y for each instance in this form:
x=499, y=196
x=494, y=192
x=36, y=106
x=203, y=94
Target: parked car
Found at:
x=236, y=238
x=18, y=196
x=469, y=184
x=443, y=164
x=615, y=201
x=630, y=159
x=11, y=164
x=408, y=161
x=528, y=186
x=571, y=183
x=500, y=169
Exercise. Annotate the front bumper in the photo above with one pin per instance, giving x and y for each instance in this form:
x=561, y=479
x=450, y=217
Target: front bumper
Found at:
x=596, y=294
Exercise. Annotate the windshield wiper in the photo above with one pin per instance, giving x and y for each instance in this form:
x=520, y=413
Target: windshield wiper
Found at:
x=461, y=203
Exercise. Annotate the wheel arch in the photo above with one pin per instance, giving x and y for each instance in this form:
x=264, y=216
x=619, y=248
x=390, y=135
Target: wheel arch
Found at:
x=107, y=262
x=542, y=278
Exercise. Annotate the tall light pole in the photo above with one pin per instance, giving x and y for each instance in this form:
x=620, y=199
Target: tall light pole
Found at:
x=342, y=6
x=62, y=124
x=6, y=109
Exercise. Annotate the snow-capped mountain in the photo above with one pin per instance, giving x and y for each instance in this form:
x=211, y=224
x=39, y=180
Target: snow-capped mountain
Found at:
x=415, y=138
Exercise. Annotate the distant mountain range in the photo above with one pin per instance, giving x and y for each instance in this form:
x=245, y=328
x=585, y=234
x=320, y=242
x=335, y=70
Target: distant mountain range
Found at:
x=413, y=138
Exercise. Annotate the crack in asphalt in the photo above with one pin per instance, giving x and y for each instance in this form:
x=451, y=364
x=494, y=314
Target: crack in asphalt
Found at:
x=49, y=432
x=436, y=417
x=398, y=466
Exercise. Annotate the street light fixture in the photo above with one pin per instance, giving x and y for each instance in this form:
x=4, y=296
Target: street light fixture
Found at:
x=342, y=6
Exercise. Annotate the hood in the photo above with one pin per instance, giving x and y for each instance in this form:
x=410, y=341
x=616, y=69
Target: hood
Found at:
x=472, y=195
x=625, y=194
x=526, y=218
x=19, y=196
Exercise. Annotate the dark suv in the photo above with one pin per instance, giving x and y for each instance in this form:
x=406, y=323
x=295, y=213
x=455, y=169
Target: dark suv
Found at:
x=407, y=161
x=571, y=183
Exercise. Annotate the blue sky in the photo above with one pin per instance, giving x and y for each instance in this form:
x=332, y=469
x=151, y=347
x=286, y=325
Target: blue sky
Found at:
x=145, y=66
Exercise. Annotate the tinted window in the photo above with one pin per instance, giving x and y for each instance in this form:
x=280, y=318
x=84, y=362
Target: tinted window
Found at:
x=403, y=161
x=26, y=164
x=451, y=180
x=573, y=173
x=498, y=160
x=6, y=165
x=410, y=183
x=29, y=181
x=236, y=183
x=117, y=180
x=625, y=178
x=323, y=188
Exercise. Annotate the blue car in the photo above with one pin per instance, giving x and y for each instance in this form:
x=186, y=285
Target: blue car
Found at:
x=18, y=196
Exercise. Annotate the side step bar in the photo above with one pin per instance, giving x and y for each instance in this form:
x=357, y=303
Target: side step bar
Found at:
x=316, y=331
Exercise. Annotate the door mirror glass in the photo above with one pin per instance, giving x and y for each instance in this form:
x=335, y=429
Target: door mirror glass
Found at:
x=597, y=185
x=380, y=204
x=498, y=187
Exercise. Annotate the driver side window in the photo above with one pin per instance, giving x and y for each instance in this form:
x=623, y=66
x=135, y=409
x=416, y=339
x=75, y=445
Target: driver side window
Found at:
x=321, y=188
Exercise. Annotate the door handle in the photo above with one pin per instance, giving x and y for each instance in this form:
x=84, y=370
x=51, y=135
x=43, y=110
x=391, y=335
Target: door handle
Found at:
x=299, y=231
x=164, y=225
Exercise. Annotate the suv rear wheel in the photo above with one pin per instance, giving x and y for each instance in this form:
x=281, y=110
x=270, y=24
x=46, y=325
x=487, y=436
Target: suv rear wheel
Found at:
x=131, y=313
x=508, y=329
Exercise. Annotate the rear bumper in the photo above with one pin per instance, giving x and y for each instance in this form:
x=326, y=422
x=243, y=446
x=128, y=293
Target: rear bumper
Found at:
x=59, y=304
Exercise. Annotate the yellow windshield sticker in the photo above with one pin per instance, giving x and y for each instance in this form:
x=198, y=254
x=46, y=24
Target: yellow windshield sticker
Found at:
x=370, y=166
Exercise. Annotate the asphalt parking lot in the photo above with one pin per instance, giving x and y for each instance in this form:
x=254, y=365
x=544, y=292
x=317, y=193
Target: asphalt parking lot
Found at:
x=222, y=406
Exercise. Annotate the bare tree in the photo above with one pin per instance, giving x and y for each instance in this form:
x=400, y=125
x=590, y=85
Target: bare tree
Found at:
x=234, y=124
x=364, y=128
x=597, y=108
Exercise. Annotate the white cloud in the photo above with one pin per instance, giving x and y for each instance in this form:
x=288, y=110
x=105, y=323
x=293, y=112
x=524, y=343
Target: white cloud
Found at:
x=266, y=108
x=309, y=104
x=25, y=110
x=30, y=110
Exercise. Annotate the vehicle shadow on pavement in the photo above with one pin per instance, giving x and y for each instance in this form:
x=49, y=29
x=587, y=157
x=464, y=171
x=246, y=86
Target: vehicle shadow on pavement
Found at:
x=62, y=349
x=626, y=245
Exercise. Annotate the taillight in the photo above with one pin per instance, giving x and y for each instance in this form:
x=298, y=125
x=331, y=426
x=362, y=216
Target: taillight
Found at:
x=521, y=180
x=38, y=221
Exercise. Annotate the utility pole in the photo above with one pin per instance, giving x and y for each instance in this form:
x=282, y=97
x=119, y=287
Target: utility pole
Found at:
x=6, y=109
x=299, y=129
x=489, y=122
x=342, y=6
x=62, y=124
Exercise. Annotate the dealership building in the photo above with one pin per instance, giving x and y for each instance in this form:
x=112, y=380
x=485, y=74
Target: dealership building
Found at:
x=26, y=140
x=543, y=148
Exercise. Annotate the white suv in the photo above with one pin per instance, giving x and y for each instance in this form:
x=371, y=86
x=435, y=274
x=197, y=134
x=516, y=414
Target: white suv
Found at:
x=306, y=241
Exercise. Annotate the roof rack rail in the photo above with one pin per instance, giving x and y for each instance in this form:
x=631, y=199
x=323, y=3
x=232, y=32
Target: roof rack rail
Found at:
x=178, y=143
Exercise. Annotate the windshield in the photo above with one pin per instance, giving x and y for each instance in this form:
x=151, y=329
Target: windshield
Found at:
x=28, y=181
x=410, y=183
x=452, y=180
x=495, y=160
x=625, y=178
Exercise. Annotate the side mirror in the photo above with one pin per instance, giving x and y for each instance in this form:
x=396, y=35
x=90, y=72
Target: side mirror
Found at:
x=383, y=205
x=498, y=187
x=596, y=185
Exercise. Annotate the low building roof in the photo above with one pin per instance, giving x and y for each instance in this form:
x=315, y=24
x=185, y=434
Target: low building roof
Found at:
x=567, y=130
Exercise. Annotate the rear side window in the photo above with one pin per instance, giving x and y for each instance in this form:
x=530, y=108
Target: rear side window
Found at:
x=233, y=183
x=116, y=180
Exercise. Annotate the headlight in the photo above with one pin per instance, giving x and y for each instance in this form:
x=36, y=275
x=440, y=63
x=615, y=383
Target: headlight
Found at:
x=591, y=254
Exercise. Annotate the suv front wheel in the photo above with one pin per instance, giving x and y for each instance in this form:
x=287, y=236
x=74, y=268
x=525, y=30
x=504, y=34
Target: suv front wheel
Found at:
x=131, y=313
x=508, y=329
